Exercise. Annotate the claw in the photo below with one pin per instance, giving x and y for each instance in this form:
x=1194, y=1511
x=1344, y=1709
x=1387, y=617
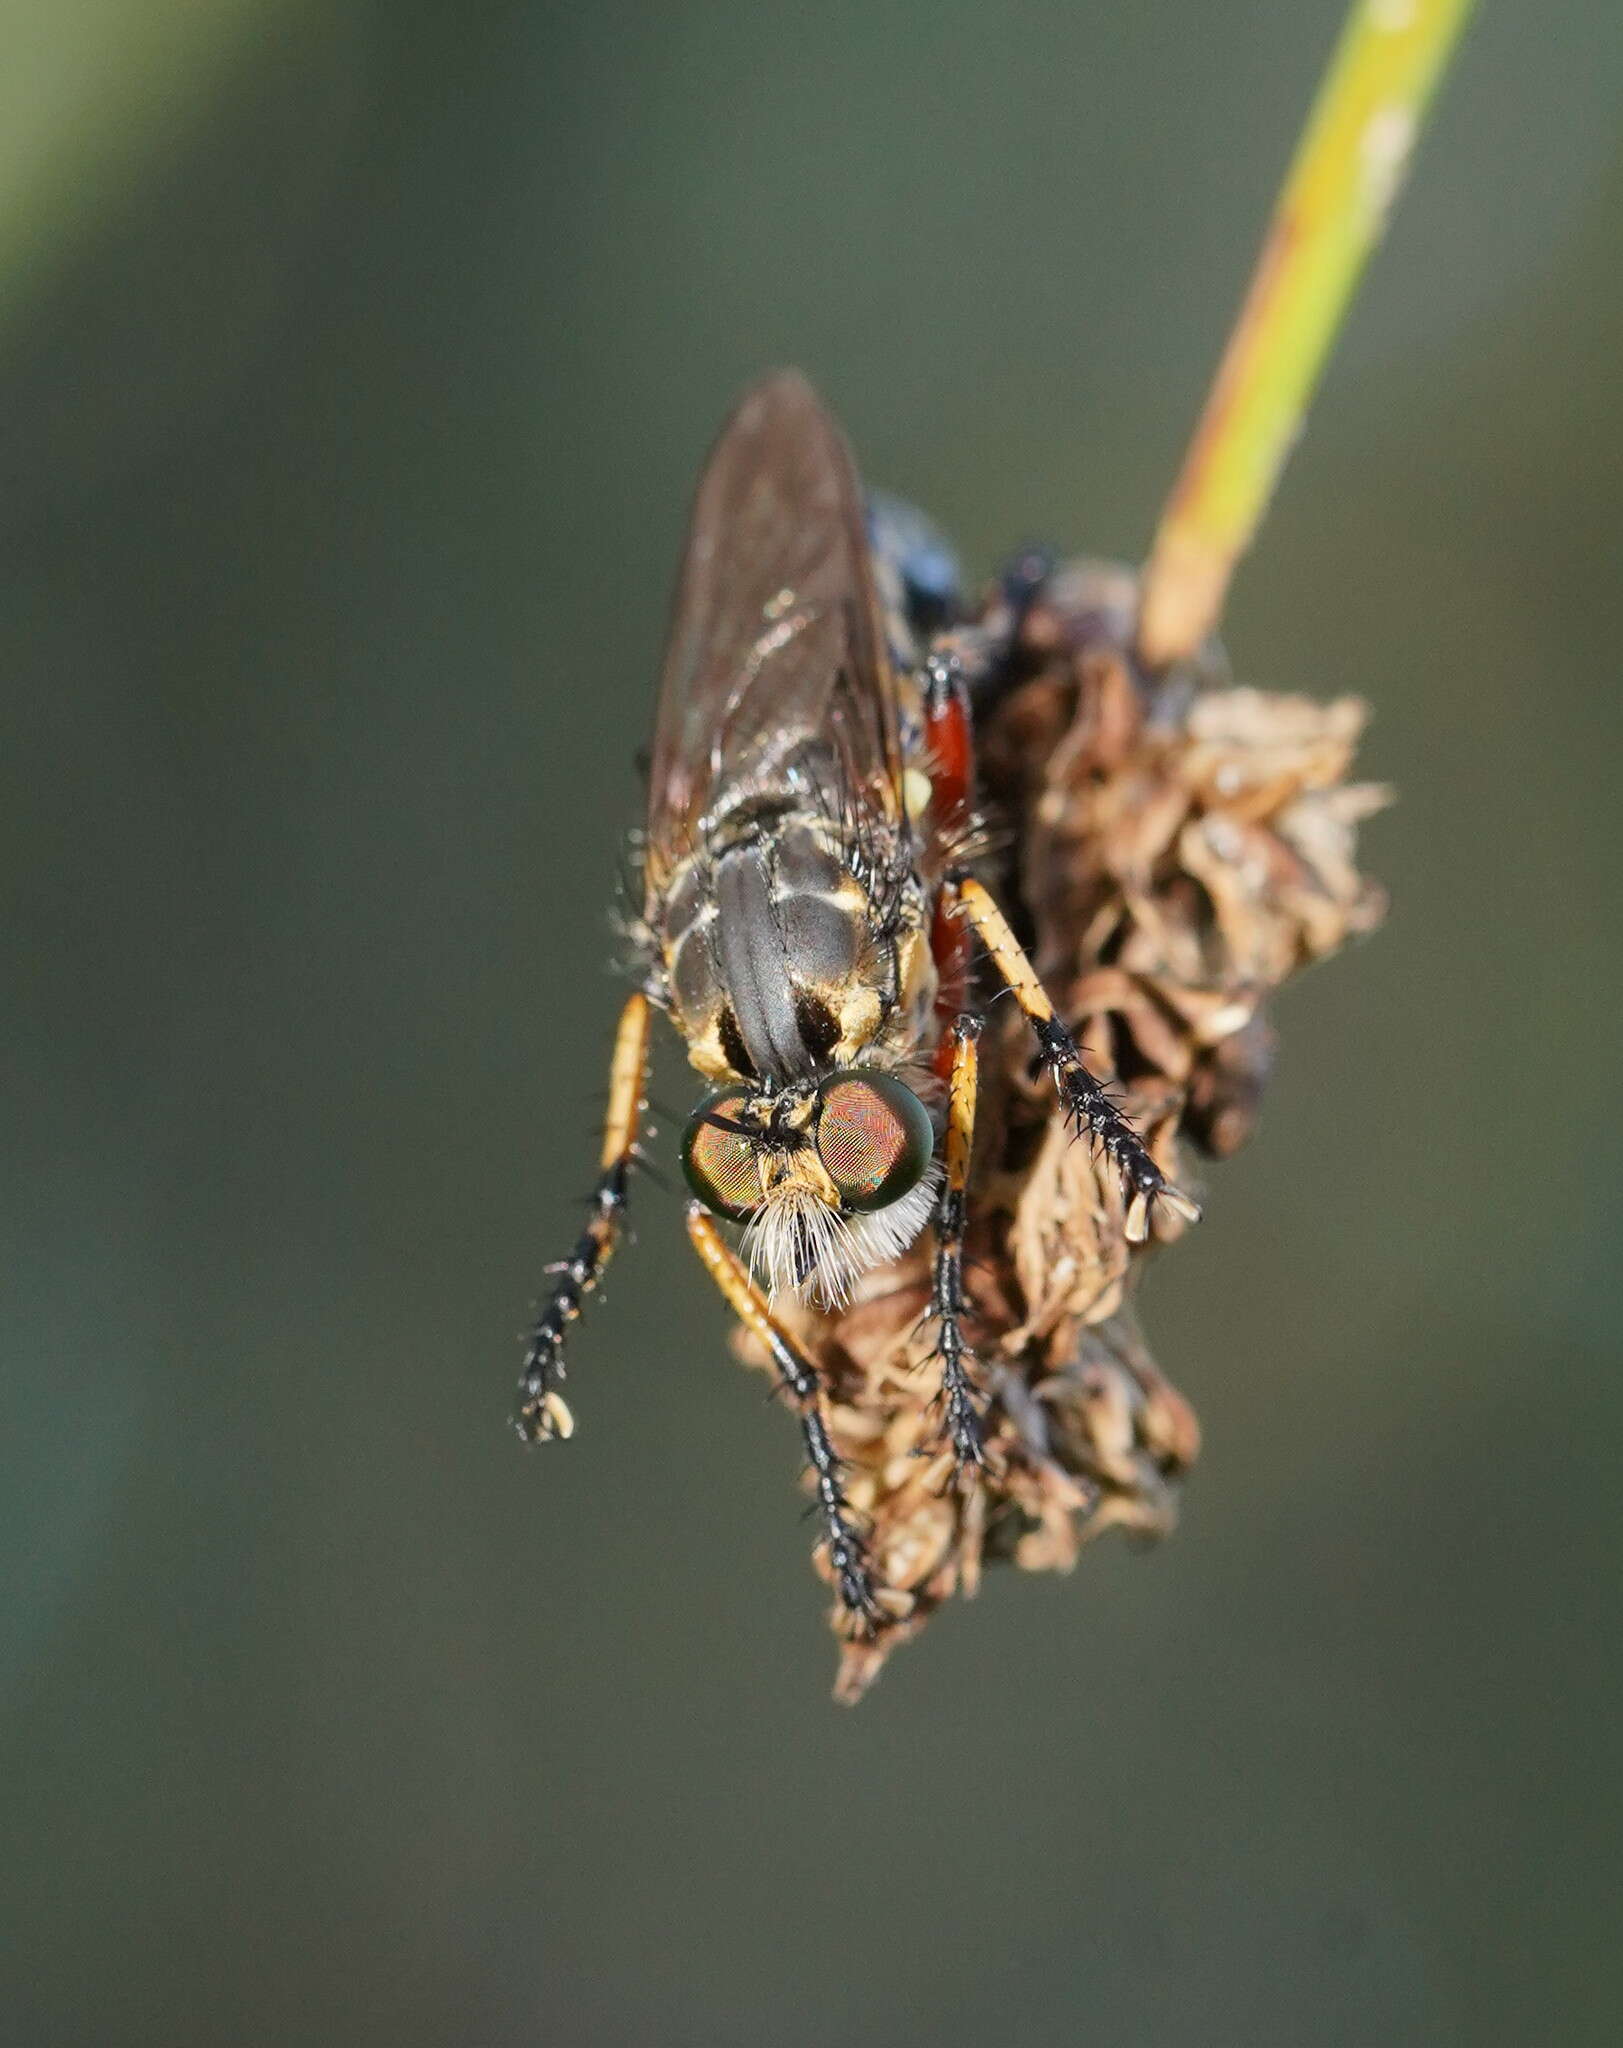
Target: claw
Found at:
x=545, y=1417
x=555, y=1417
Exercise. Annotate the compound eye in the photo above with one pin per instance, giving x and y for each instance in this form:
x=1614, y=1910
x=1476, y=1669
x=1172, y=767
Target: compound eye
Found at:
x=874, y=1137
x=720, y=1162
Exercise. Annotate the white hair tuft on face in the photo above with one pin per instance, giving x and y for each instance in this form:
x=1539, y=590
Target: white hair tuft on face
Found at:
x=797, y=1244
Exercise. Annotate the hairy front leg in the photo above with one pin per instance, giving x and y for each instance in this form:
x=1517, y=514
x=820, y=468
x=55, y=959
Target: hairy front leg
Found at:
x=1086, y=1102
x=543, y=1412
x=847, y=1552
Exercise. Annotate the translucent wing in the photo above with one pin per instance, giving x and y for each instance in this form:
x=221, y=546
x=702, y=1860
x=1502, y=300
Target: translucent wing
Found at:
x=775, y=669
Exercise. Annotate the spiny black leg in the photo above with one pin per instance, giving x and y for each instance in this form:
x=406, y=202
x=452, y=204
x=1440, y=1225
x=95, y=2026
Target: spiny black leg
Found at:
x=847, y=1552
x=961, y=1400
x=1091, y=1111
x=1089, y=1107
x=543, y=1412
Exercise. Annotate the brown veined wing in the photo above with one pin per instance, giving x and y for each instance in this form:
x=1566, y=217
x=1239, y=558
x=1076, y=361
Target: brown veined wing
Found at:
x=775, y=667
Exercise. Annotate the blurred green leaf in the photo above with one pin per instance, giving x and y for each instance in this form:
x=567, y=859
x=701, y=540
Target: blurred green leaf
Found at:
x=89, y=89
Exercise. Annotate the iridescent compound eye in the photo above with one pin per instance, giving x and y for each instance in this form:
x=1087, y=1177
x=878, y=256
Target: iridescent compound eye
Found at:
x=719, y=1161
x=874, y=1137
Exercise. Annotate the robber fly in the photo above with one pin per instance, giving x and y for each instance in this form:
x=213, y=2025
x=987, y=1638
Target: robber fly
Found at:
x=807, y=916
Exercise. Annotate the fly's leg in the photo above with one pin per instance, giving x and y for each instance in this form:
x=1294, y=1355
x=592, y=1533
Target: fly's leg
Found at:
x=542, y=1411
x=961, y=1399
x=1086, y=1103
x=1024, y=579
x=949, y=742
x=847, y=1551
x=948, y=737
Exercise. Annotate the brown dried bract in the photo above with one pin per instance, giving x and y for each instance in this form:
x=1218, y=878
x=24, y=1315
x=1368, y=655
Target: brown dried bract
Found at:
x=1170, y=854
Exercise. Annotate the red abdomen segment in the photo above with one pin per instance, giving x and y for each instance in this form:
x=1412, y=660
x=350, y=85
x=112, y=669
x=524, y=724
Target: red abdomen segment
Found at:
x=950, y=749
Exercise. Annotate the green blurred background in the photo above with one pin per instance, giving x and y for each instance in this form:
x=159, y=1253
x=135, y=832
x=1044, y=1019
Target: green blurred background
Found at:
x=355, y=363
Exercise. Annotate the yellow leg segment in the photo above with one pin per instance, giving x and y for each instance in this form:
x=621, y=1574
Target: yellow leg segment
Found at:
x=961, y=1400
x=543, y=1412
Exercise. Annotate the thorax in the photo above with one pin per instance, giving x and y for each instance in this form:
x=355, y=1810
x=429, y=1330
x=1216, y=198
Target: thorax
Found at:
x=789, y=947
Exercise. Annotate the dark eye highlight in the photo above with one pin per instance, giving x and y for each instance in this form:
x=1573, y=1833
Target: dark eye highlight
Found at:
x=719, y=1162
x=874, y=1137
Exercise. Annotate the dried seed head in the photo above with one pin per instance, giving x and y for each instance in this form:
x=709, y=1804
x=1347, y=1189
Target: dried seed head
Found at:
x=1172, y=853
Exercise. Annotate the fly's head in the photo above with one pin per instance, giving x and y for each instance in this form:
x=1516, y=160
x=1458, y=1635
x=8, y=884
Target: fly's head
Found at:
x=802, y=983
x=829, y=1178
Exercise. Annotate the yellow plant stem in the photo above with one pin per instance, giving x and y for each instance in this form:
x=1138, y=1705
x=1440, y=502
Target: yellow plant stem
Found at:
x=1348, y=166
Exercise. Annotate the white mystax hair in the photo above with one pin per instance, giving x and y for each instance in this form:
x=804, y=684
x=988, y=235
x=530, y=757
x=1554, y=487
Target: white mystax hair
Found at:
x=797, y=1244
